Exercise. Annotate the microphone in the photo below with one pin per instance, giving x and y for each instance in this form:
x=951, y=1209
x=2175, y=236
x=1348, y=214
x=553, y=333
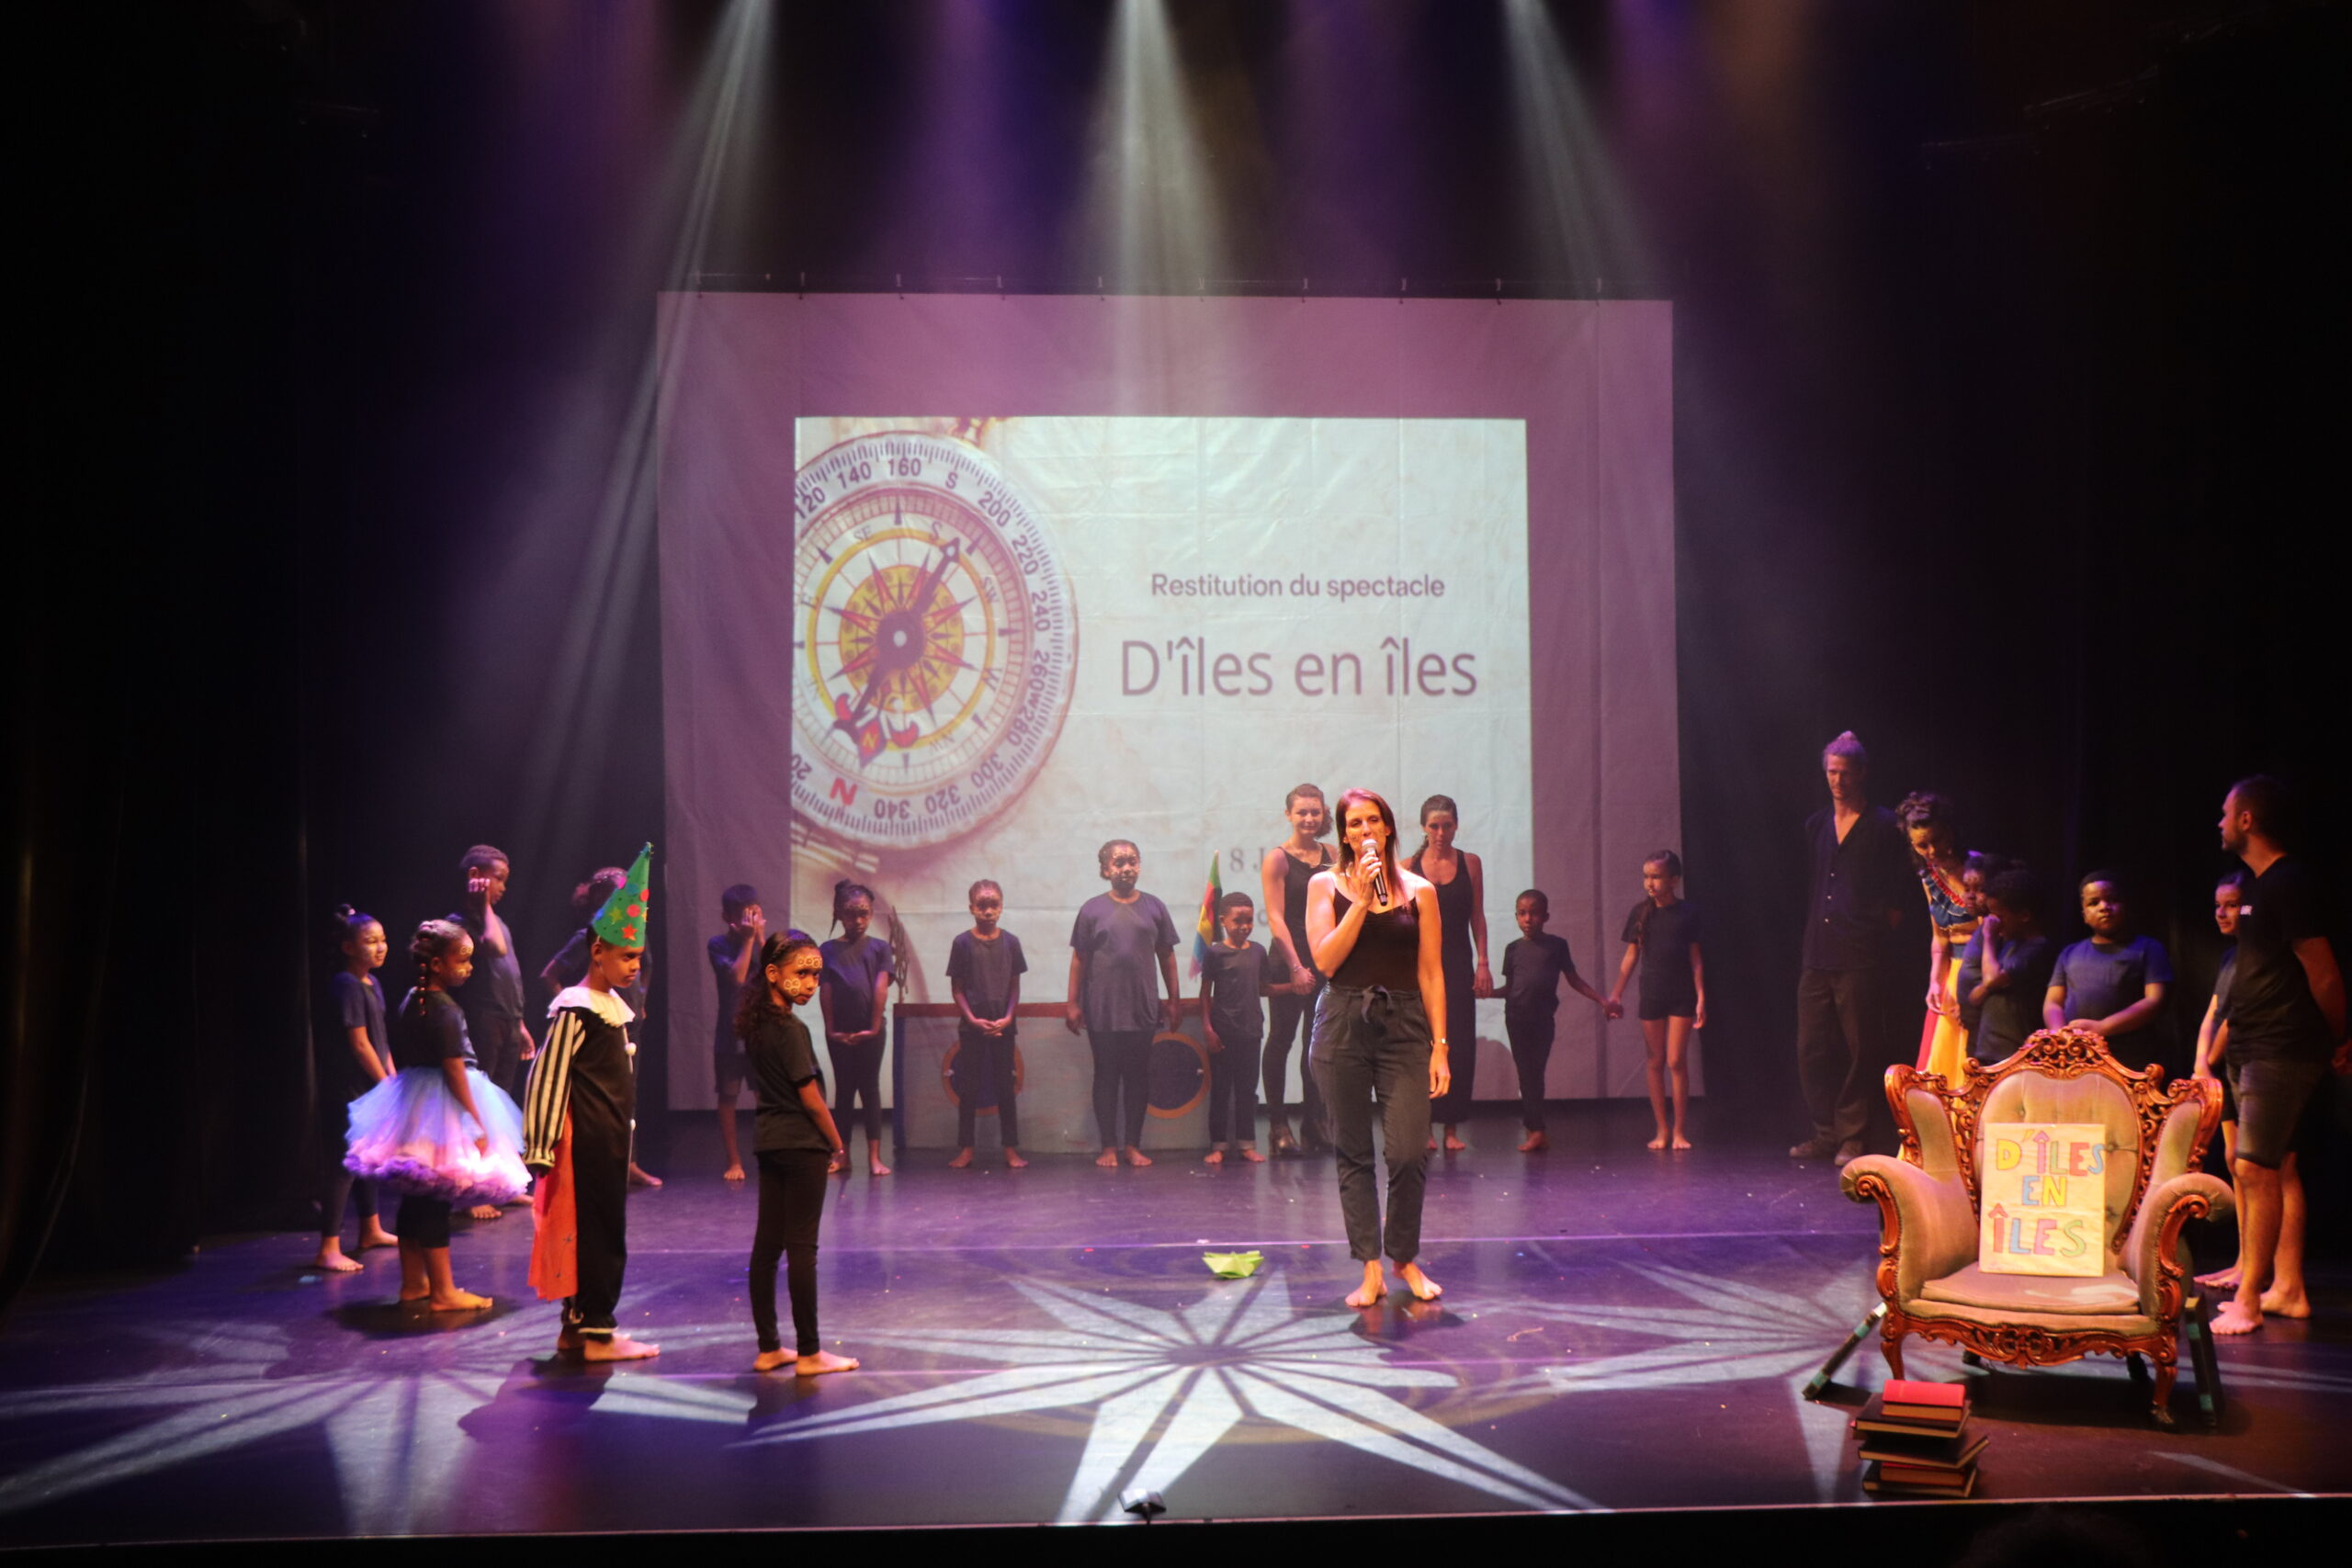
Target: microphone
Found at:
x=1370, y=850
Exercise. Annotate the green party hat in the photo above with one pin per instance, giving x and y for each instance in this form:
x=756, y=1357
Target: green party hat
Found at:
x=621, y=922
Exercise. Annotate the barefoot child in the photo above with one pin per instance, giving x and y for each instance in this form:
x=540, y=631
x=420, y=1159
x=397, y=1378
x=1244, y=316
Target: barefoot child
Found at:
x=355, y=1055
x=1114, y=943
x=984, y=970
x=1235, y=973
x=732, y=952
x=853, y=995
x=2115, y=982
x=1534, y=967
x=796, y=1143
x=437, y=1131
x=581, y=1104
x=1662, y=935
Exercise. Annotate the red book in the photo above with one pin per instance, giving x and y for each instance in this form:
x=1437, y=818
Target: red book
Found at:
x=1906, y=1401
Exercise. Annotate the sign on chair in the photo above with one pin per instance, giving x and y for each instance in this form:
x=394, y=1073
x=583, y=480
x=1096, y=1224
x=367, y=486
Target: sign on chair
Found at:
x=2044, y=1203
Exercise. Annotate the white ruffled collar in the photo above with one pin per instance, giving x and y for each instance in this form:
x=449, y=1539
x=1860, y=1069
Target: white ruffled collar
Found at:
x=604, y=1004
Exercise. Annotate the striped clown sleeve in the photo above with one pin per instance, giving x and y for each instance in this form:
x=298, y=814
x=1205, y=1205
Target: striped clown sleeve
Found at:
x=548, y=1094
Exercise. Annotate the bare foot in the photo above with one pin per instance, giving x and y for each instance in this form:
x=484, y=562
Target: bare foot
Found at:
x=2236, y=1317
x=1680, y=1142
x=620, y=1348
x=1012, y=1160
x=2221, y=1279
x=875, y=1168
x=1536, y=1144
x=1424, y=1289
x=1659, y=1142
x=568, y=1342
x=376, y=1235
x=331, y=1259
x=824, y=1361
x=732, y=1173
x=963, y=1160
x=1251, y=1154
x=1217, y=1156
x=459, y=1300
x=640, y=1177
x=1108, y=1160
x=485, y=1212
x=1373, y=1292
x=1136, y=1158
x=2286, y=1304
x=769, y=1360
x=1453, y=1144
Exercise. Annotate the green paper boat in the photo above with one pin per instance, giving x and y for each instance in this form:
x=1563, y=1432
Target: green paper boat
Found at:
x=1233, y=1265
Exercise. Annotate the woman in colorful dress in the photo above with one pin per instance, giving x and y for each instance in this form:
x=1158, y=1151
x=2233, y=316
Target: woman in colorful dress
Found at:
x=1952, y=912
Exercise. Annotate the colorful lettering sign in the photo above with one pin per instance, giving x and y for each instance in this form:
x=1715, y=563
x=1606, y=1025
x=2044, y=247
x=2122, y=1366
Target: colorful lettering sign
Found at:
x=2044, y=1208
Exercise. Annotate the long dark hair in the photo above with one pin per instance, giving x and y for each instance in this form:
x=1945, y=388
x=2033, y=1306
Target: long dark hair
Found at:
x=1673, y=864
x=1339, y=819
x=1435, y=802
x=756, y=1004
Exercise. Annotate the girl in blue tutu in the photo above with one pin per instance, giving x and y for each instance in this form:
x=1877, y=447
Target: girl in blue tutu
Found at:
x=437, y=1131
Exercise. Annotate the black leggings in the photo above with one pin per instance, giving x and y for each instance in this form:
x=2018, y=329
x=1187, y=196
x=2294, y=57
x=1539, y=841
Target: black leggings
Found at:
x=1293, y=1020
x=1122, y=1061
x=857, y=1074
x=337, y=1186
x=792, y=1198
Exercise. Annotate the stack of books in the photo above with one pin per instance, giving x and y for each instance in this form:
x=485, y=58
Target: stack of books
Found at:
x=1916, y=1442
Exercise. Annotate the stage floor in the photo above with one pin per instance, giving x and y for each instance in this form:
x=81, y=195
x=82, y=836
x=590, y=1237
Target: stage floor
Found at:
x=1621, y=1330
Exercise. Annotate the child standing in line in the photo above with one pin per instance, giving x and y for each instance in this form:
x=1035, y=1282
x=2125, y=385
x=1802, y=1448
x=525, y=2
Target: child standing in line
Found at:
x=1662, y=935
x=355, y=1054
x=2014, y=961
x=2213, y=1047
x=1534, y=967
x=1112, y=996
x=984, y=970
x=583, y=1105
x=1235, y=973
x=732, y=952
x=853, y=995
x=438, y=1130
x=796, y=1143
x=2114, y=982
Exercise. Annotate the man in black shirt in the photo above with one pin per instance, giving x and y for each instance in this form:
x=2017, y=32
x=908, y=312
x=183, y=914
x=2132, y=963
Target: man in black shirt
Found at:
x=2286, y=1031
x=1860, y=880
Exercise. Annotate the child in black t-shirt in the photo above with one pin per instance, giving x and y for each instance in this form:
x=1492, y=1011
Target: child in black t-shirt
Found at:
x=1662, y=935
x=1235, y=973
x=796, y=1142
x=353, y=1055
x=1534, y=967
x=2017, y=958
x=984, y=970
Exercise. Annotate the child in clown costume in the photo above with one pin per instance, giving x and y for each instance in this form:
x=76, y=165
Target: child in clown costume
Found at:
x=577, y=1113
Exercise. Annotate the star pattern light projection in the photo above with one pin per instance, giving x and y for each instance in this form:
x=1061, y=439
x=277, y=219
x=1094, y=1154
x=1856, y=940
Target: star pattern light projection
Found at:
x=1167, y=1386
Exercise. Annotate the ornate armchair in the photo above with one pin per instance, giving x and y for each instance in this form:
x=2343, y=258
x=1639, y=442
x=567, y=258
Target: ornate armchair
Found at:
x=1927, y=1201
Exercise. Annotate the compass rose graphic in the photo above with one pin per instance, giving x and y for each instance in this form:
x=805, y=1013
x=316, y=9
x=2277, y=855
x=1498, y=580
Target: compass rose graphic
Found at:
x=1241, y=1353
x=935, y=643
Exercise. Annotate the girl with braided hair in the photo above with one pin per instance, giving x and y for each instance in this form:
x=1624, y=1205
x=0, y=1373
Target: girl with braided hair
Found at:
x=437, y=1131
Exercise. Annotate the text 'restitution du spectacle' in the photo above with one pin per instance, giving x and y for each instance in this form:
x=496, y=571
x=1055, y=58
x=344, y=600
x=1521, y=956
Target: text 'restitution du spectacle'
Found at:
x=1210, y=585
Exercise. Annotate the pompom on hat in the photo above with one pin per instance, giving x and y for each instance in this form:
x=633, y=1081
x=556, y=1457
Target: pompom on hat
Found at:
x=623, y=919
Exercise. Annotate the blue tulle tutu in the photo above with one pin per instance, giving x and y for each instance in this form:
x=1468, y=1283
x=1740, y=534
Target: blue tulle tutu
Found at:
x=409, y=1134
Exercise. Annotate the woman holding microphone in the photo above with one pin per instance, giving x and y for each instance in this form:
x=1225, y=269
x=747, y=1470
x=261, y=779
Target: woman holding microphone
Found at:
x=1375, y=929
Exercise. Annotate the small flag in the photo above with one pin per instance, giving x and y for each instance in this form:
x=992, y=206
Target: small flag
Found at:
x=1205, y=934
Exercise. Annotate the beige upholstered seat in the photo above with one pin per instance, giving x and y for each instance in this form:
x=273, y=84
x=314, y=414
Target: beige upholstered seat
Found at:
x=1927, y=1270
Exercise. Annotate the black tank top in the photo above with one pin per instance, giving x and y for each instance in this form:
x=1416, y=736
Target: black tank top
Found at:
x=1296, y=875
x=1387, y=950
